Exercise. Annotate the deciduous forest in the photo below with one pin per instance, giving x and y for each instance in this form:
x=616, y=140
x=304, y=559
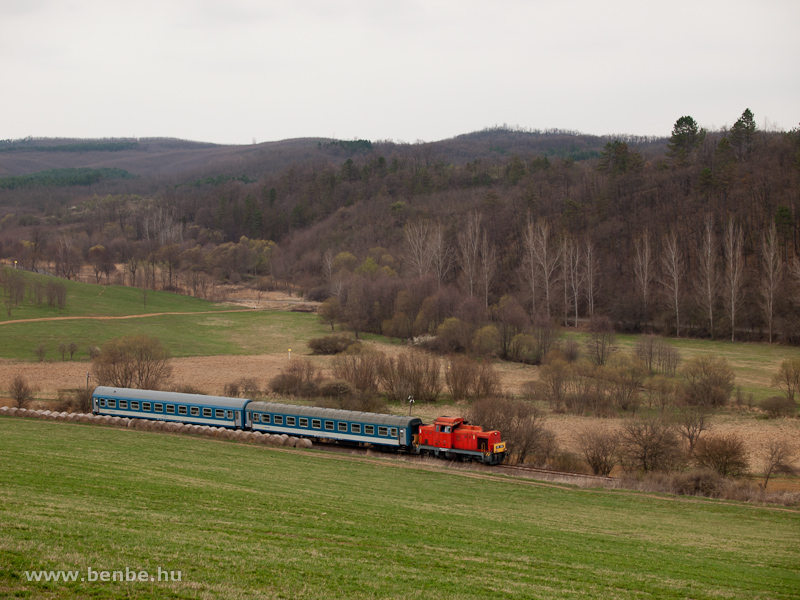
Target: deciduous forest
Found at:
x=471, y=242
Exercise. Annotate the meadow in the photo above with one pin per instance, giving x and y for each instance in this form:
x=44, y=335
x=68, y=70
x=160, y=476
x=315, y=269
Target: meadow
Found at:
x=241, y=521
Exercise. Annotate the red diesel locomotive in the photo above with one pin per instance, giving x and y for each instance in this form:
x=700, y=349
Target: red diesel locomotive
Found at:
x=454, y=438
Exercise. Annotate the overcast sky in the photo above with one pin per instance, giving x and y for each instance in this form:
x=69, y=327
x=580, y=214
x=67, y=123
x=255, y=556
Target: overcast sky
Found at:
x=234, y=71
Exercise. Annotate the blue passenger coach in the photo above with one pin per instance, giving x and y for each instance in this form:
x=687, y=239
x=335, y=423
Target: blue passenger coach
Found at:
x=334, y=424
x=196, y=409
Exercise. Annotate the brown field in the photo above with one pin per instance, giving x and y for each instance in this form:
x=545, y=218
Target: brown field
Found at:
x=210, y=374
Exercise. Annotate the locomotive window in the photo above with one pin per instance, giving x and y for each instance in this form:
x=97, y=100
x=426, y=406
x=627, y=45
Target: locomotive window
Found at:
x=256, y=417
x=103, y=402
x=383, y=431
x=219, y=413
x=123, y=404
x=290, y=421
x=369, y=429
x=206, y=412
x=342, y=426
x=278, y=420
x=303, y=422
x=134, y=406
x=228, y=414
x=171, y=409
x=355, y=428
x=265, y=418
x=316, y=423
x=158, y=407
x=145, y=406
x=329, y=425
x=195, y=412
x=394, y=431
x=181, y=410
x=112, y=404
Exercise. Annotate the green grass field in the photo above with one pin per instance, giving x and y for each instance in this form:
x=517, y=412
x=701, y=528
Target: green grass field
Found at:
x=243, y=521
x=87, y=300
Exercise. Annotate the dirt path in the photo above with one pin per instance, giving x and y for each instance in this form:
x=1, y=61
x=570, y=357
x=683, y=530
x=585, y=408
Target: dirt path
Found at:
x=143, y=316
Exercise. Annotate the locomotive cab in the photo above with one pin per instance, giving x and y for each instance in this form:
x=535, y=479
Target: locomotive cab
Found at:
x=453, y=437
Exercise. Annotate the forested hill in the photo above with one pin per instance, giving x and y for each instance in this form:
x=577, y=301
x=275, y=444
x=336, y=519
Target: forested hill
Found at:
x=562, y=224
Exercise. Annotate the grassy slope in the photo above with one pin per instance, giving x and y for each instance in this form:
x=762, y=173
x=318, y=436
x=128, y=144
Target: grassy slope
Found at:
x=250, y=522
x=85, y=299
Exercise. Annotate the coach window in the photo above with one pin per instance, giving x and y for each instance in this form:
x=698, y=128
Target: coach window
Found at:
x=278, y=420
x=112, y=404
x=355, y=428
x=303, y=422
x=207, y=412
x=382, y=431
x=256, y=417
x=229, y=414
x=290, y=421
x=342, y=426
x=146, y=406
x=195, y=411
x=171, y=409
x=219, y=414
x=369, y=429
x=134, y=406
x=329, y=425
x=394, y=431
x=181, y=410
x=265, y=418
x=103, y=402
x=123, y=404
x=158, y=408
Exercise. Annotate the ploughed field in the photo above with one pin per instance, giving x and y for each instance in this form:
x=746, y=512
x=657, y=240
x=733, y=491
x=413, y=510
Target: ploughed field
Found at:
x=243, y=521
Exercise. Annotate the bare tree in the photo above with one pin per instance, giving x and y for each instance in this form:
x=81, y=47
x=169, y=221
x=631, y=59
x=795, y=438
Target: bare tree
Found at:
x=776, y=456
x=788, y=377
x=648, y=445
x=529, y=263
x=707, y=282
x=771, y=275
x=673, y=271
x=441, y=253
x=133, y=361
x=488, y=266
x=724, y=453
x=469, y=245
x=547, y=258
x=734, y=272
x=691, y=422
x=643, y=268
x=327, y=263
x=574, y=273
x=591, y=275
x=21, y=392
x=418, y=246
x=598, y=445
x=602, y=341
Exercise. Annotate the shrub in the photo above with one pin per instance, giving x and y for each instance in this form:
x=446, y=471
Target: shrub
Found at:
x=360, y=370
x=74, y=400
x=602, y=341
x=697, y=482
x=778, y=406
x=598, y=446
x=72, y=348
x=336, y=388
x=707, y=381
x=40, y=351
x=411, y=374
x=657, y=355
x=725, y=454
x=486, y=341
x=649, y=445
x=21, y=392
x=329, y=344
x=520, y=424
x=134, y=362
x=461, y=376
x=246, y=386
x=300, y=378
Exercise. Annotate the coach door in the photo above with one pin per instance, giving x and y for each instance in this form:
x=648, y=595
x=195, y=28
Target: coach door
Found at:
x=401, y=436
x=237, y=419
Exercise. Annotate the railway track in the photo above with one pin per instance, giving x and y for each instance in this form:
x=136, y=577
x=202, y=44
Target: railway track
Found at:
x=520, y=468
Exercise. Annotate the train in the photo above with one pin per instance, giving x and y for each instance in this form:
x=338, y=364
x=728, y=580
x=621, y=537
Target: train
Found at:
x=450, y=438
